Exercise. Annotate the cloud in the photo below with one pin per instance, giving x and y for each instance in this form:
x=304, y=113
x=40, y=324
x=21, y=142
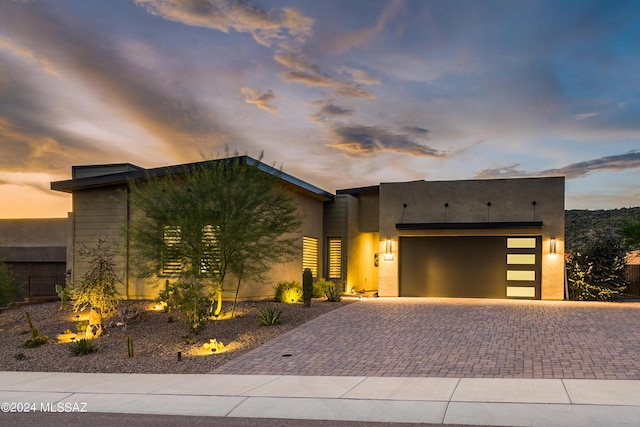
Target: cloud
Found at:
x=584, y=116
x=260, y=99
x=364, y=35
x=616, y=163
x=306, y=72
x=330, y=111
x=265, y=26
x=45, y=63
x=367, y=140
x=90, y=64
x=360, y=76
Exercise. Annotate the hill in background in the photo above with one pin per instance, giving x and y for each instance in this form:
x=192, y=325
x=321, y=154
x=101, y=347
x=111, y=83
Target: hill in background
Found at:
x=578, y=223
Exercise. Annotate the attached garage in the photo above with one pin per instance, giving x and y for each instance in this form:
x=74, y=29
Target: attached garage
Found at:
x=470, y=266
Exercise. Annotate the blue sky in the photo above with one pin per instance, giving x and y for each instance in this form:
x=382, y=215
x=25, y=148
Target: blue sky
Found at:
x=339, y=93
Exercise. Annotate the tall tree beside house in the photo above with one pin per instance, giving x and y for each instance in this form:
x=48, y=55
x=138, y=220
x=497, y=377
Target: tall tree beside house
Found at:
x=214, y=221
x=596, y=270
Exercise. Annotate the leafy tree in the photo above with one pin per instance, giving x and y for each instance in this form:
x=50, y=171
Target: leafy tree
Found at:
x=97, y=288
x=212, y=220
x=596, y=272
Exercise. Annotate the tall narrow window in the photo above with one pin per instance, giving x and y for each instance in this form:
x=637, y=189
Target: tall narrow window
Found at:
x=171, y=263
x=335, y=258
x=211, y=257
x=310, y=255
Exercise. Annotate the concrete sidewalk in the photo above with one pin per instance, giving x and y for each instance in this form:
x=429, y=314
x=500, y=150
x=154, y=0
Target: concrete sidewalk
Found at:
x=478, y=401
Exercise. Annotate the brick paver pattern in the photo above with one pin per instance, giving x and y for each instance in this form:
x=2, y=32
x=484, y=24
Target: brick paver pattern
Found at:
x=422, y=337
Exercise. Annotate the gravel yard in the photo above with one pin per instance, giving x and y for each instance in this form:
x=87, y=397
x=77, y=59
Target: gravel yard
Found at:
x=156, y=339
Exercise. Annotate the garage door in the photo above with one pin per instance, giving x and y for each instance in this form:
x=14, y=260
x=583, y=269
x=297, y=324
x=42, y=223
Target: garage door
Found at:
x=470, y=267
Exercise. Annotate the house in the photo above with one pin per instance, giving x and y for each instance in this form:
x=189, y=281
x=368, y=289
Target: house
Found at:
x=498, y=238
x=36, y=252
x=101, y=209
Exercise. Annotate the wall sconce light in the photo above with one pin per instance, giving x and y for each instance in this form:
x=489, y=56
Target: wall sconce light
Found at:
x=552, y=245
x=388, y=255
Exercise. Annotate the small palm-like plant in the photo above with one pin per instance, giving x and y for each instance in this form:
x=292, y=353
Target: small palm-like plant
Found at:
x=269, y=316
x=82, y=346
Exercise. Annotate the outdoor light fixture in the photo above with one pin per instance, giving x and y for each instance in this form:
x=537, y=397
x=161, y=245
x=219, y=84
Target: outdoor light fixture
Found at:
x=552, y=245
x=388, y=256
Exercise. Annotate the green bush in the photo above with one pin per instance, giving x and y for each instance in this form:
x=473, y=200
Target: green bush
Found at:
x=191, y=300
x=320, y=286
x=269, y=316
x=82, y=346
x=596, y=271
x=288, y=292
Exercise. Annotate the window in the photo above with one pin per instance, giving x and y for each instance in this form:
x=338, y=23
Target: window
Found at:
x=171, y=265
x=310, y=255
x=335, y=258
x=211, y=255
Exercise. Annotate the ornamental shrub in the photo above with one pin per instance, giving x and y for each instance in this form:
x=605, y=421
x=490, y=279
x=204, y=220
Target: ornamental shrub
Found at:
x=289, y=292
x=596, y=271
x=97, y=288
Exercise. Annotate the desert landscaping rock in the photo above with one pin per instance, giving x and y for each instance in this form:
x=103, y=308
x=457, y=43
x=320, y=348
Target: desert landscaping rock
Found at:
x=156, y=340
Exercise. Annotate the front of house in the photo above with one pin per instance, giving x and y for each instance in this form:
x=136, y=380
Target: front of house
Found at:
x=478, y=238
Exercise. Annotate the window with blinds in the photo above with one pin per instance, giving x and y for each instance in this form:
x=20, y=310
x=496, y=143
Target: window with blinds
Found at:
x=211, y=256
x=171, y=265
x=171, y=262
x=310, y=255
x=335, y=258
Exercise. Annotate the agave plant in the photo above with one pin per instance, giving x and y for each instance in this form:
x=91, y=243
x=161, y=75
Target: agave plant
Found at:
x=269, y=316
x=82, y=346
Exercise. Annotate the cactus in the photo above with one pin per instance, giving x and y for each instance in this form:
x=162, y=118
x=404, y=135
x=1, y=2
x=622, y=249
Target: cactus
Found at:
x=29, y=320
x=130, y=346
x=65, y=295
x=307, y=287
x=36, y=339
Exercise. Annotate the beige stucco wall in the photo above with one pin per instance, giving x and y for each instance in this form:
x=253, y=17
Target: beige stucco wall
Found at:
x=511, y=201
x=101, y=212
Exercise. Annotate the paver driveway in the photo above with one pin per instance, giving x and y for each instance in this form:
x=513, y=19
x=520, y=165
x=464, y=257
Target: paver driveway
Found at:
x=420, y=337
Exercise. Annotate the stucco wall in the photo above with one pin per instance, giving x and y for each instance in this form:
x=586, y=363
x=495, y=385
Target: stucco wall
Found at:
x=511, y=201
x=101, y=212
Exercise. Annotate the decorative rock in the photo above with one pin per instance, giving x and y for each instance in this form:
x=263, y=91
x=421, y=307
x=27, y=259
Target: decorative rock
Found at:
x=95, y=328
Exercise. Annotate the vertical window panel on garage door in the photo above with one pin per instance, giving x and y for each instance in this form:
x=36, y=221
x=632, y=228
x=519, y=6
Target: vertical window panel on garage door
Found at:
x=469, y=267
x=524, y=267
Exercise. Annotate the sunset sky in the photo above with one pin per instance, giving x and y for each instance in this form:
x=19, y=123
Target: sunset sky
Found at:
x=340, y=94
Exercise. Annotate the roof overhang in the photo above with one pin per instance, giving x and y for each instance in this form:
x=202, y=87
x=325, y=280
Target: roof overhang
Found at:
x=468, y=225
x=69, y=186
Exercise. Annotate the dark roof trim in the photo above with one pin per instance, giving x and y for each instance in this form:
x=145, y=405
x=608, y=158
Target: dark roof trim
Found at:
x=468, y=225
x=71, y=185
x=360, y=190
